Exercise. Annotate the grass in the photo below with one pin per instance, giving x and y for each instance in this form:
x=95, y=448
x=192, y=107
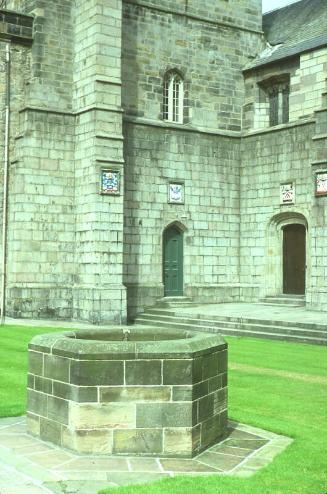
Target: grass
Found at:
x=292, y=407
x=13, y=367
x=280, y=403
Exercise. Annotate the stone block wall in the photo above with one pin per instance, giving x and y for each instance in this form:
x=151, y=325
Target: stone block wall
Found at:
x=99, y=294
x=40, y=262
x=64, y=238
x=243, y=14
x=308, y=84
x=210, y=57
x=208, y=166
x=93, y=66
x=209, y=44
x=317, y=292
x=41, y=223
x=150, y=398
x=292, y=152
x=256, y=102
x=307, y=74
x=269, y=160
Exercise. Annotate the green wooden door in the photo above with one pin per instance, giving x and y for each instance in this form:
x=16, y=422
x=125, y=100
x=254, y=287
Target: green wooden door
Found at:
x=173, y=262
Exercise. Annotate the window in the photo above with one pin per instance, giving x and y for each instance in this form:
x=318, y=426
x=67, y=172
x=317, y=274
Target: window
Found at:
x=276, y=92
x=173, y=97
x=278, y=104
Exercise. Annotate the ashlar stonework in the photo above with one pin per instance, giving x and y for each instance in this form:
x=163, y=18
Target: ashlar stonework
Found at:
x=155, y=394
x=86, y=98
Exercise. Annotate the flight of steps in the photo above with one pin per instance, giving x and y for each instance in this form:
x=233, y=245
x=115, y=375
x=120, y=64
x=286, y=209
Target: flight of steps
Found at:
x=300, y=332
x=168, y=302
x=284, y=300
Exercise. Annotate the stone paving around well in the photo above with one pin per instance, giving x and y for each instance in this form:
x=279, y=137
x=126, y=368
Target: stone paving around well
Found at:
x=31, y=466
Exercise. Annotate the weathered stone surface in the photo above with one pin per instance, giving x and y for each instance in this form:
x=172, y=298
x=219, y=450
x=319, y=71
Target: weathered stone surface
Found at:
x=88, y=441
x=82, y=394
x=178, y=441
x=42, y=384
x=183, y=393
x=148, y=441
x=135, y=394
x=212, y=430
x=105, y=397
x=58, y=409
x=144, y=372
x=37, y=402
x=95, y=416
x=35, y=363
x=50, y=430
x=33, y=424
x=56, y=368
x=177, y=372
x=165, y=415
x=205, y=407
x=201, y=389
x=99, y=373
x=210, y=365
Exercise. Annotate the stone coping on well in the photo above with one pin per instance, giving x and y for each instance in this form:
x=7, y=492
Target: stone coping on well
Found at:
x=181, y=344
x=30, y=465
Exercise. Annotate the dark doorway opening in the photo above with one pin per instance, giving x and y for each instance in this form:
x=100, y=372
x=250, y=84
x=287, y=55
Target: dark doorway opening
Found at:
x=294, y=259
x=173, y=262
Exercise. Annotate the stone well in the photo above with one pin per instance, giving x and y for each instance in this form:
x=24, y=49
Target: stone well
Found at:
x=161, y=393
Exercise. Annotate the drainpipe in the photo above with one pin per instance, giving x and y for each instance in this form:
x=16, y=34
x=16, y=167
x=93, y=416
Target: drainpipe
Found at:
x=5, y=186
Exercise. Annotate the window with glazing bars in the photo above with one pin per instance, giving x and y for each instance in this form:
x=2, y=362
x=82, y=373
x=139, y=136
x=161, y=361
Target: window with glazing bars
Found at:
x=173, y=104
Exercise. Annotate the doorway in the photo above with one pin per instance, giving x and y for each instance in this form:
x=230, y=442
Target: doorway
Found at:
x=294, y=259
x=173, y=262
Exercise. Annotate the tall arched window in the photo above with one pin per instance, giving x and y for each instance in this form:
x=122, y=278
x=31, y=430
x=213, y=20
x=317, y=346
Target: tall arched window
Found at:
x=173, y=104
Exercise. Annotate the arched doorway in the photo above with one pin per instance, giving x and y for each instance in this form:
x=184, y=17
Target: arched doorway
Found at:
x=173, y=261
x=294, y=259
x=287, y=266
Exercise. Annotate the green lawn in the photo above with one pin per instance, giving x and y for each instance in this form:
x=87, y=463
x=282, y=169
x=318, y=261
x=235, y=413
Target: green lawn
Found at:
x=13, y=367
x=285, y=404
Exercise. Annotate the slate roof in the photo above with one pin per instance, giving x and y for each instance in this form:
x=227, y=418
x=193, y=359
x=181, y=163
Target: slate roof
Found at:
x=296, y=28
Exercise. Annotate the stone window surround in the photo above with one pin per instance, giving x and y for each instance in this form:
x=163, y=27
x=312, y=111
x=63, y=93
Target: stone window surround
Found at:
x=173, y=97
x=276, y=90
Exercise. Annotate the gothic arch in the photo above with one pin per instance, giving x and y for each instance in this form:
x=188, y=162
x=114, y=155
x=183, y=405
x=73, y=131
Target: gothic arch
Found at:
x=273, y=279
x=177, y=224
x=173, y=259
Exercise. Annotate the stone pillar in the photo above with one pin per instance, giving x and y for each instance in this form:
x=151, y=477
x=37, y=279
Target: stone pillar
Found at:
x=317, y=287
x=40, y=262
x=99, y=295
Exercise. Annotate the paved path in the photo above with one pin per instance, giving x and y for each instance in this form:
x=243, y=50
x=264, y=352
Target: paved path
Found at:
x=31, y=466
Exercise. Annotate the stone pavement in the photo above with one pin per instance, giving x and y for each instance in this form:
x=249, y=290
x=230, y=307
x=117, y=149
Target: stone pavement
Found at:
x=241, y=309
x=31, y=466
x=255, y=311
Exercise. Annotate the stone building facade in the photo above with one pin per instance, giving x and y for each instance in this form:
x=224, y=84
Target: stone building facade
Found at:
x=161, y=148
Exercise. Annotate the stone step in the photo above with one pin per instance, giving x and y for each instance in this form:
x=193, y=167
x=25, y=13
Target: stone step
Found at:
x=240, y=332
x=174, y=302
x=291, y=301
x=220, y=318
x=275, y=304
x=235, y=325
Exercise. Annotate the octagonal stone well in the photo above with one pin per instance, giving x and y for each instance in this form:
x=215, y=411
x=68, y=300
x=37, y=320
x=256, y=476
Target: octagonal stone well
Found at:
x=162, y=393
